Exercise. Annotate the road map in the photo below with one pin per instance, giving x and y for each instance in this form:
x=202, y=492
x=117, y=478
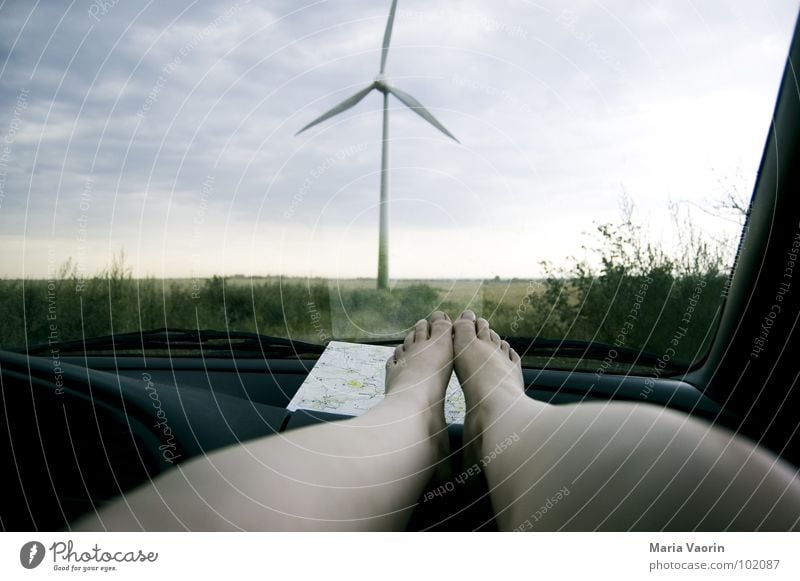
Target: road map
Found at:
x=349, y=379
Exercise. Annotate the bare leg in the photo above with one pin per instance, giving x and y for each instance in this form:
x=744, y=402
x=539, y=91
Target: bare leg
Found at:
x=609, y=466
x=361, y=474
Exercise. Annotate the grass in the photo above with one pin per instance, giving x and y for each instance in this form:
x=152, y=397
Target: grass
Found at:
x=634, y=295
x=319, y=310
x=304, y=309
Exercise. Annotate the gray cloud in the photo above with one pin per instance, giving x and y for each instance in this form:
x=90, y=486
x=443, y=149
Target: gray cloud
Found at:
x=557, y=106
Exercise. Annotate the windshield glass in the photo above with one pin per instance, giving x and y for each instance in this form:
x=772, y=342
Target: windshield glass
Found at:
x=570, y=171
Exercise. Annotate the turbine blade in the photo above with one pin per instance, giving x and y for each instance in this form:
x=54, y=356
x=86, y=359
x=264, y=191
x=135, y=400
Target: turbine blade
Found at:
x=343, y=106
x=387, y=36
x=417, y=108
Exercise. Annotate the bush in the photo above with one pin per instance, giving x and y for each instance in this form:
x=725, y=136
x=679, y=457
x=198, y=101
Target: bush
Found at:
x=640, y=296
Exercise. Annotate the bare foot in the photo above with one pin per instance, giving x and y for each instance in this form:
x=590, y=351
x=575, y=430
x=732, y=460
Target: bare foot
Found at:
x=489, y=371
x=422, y=365
x=418, y=372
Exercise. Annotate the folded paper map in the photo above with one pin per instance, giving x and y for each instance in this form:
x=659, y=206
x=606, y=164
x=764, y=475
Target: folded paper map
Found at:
x=349, y=379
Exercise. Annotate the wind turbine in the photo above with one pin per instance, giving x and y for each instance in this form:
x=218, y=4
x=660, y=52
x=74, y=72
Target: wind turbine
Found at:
x=381, y=84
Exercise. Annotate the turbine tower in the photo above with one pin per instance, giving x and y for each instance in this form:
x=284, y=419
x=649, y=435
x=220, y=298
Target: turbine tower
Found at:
x=381, y=84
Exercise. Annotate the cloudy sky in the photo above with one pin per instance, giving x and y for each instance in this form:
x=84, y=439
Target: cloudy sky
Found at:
x=167, y=129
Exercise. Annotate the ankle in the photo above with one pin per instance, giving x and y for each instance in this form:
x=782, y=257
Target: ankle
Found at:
x=409, y=400
x=494, y=399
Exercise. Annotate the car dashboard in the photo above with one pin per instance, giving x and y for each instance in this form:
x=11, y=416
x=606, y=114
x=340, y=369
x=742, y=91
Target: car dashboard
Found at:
x=83, y=430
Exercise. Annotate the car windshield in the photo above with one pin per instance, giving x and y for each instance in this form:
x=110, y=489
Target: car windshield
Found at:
x=577, y=173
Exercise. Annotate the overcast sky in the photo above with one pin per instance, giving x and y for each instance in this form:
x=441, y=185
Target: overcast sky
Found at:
x=167, y=129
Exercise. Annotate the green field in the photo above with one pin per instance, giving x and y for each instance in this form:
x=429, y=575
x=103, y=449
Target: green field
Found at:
x=633, y=296
x=305, y=309
x=319, y=310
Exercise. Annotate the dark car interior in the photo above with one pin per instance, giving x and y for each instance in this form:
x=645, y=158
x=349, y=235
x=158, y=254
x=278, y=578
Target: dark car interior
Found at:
x=79, y=428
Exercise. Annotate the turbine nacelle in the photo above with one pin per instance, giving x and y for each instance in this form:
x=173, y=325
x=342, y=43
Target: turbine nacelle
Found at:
x=381, y=83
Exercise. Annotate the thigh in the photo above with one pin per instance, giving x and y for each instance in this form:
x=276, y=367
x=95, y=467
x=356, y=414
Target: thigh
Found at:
x=623, y=466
